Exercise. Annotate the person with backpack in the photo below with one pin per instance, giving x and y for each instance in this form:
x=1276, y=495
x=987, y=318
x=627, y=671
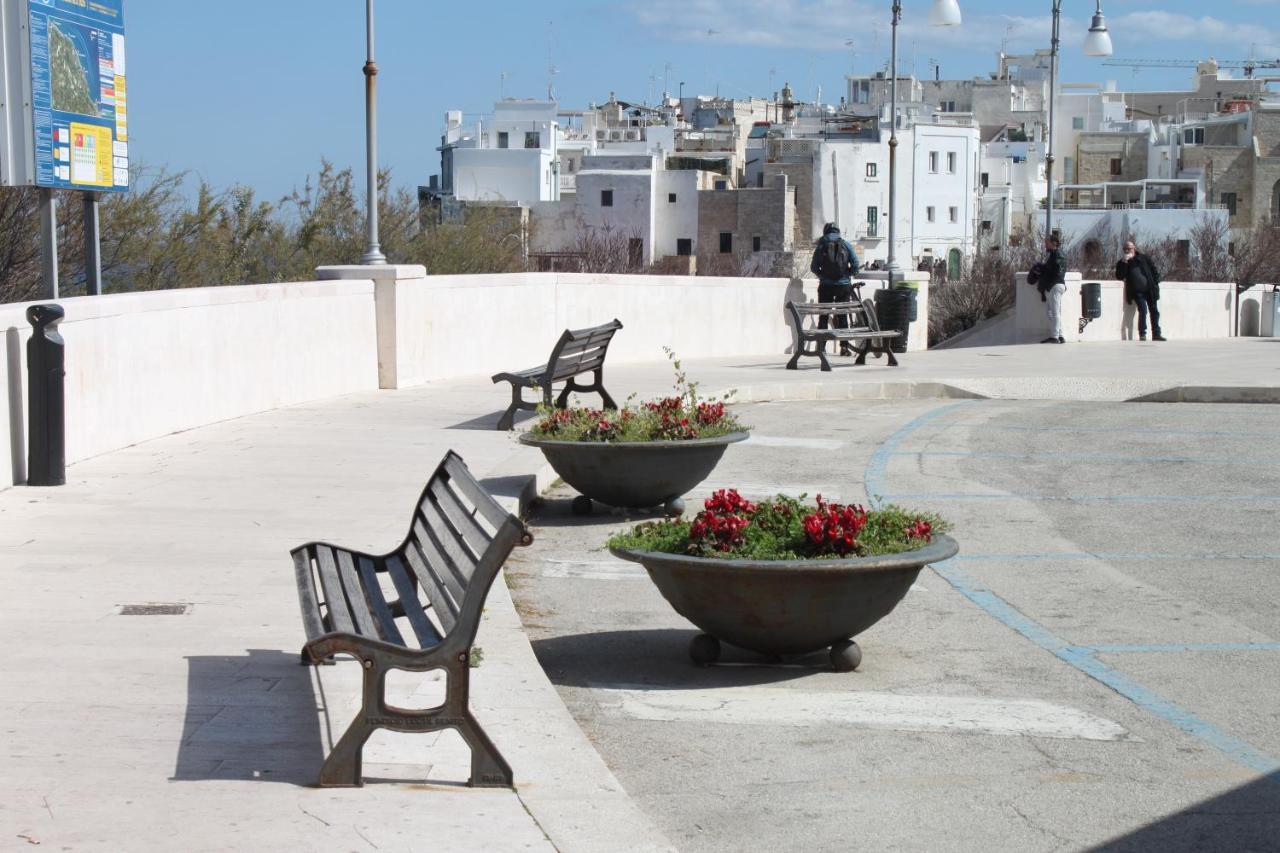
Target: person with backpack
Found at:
x=1141, y=285
x=835, y=265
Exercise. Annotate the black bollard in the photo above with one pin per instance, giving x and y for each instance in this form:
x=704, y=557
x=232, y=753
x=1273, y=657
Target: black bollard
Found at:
x=46, y=410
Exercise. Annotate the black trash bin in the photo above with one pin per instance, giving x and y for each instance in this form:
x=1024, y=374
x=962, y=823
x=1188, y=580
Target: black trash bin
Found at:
x=1091, y=300
x=893, y=311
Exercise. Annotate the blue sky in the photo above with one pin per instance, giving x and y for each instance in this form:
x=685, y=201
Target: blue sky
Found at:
x=257, y=92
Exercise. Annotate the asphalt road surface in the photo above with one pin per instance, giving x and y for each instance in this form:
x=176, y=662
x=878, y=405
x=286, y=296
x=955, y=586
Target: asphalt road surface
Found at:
x=1100, y=666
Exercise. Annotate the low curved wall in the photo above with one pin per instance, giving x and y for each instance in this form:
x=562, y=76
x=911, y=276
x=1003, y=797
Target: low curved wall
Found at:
x=143, y=365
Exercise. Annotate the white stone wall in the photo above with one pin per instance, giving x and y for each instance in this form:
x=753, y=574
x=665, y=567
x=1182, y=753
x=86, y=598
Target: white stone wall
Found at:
x=143, y=365
x=1187, y=310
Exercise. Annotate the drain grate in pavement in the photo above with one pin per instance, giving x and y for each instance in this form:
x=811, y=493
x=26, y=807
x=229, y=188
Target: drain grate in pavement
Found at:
x=154, y=609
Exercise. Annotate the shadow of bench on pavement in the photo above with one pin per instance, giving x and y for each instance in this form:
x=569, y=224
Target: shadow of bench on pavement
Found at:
x=253, y=717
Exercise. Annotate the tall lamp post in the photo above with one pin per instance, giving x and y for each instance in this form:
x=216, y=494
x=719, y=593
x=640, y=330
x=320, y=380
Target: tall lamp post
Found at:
x=373, y=251
x=944, y=13
x=1096, y=43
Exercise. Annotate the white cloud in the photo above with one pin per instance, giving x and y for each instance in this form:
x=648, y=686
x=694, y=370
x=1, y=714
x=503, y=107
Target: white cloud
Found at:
x=825, y=25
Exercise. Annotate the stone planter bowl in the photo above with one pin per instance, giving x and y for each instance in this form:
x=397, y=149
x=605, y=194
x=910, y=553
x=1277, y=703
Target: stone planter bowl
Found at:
x=633, y=473
x=786, y=607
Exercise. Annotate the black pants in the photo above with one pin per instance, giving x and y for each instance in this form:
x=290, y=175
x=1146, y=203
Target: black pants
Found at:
x=1146, y=301
x=836, y=293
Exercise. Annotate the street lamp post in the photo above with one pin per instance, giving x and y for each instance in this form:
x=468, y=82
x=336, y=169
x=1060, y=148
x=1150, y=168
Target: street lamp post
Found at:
x=1097, y=43
x=944, y=13
x=373, y=251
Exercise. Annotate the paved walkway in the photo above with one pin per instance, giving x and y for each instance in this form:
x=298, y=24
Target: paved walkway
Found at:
x=201, y=732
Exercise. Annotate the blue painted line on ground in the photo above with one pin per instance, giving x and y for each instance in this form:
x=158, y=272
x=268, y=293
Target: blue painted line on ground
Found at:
x=875, y=479
x=1112, y=556
x=1092, y=458
x=1081, y=658
x=1163, y=648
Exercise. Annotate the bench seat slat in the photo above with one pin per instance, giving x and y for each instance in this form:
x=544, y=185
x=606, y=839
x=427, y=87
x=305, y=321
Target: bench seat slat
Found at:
x=460, y=518
x=360, y=609
x=335, y=598
x=387, y=629
x=442, y=547
x=445, y=607
x=426, y=633
x=307, y=598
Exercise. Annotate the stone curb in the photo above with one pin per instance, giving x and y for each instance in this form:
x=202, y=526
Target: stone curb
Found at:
x=560, y=777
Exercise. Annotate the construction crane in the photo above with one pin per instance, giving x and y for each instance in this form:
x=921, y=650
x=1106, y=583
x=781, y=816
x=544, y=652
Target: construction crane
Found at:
x=1247, y=64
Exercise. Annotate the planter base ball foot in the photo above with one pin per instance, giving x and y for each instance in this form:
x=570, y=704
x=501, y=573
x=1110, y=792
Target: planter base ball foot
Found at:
x=674, y=508
x=845, y=656
x=705, y=650
x=582, y=505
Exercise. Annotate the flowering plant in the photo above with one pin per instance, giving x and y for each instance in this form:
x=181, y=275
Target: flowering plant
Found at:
x=784, y=528
x=680, y=417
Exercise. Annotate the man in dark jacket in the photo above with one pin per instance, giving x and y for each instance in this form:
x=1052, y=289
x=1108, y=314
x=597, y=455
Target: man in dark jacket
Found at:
x=835, y=265
x=1052, y=285
x=1141, y=285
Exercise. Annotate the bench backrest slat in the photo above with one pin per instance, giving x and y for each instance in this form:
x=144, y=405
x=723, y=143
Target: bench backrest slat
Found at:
x=460, y=478
x=448, y=558
x=356, y=598
x=461, y=520
x=580, y=350
x=413, y=610
x=335, y=597
x=387, y=629
x=433, y=586
x=307, y=597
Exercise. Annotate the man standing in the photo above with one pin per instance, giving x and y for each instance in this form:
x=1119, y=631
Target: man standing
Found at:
x=1052, y=285
x=835, y=264
x=1141, y=285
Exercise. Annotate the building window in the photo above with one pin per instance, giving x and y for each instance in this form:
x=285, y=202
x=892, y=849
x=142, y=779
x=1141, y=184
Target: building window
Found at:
x=722, y=185
x=951, y=162
x=1077, y=122
x=755, y=244
x=606, y=198
x=1069, y=168
x=986, y=226
x=760, y=179
x=946, y=106
x=502, y=139
x=873, y=221
x=1182, y=254
x=933, y=161
x=532, y=139
x=671, y=198
x=928, y=213
x=871, y=170
x=1229, y=202
x=726, y=242
x=1117, y=166
x=684, y=246
x=1231, y=249
x=571, y=166
x=954, y=213
x=1193, y=136
x=985, y=180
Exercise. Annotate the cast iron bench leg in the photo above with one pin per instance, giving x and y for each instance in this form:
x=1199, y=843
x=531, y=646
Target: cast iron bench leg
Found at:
x=508, y=418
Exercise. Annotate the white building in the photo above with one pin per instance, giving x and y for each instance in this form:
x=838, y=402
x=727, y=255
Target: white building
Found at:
x=512, y=158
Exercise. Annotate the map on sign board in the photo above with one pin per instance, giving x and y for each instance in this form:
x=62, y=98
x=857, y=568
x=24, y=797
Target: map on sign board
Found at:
x=78, y=105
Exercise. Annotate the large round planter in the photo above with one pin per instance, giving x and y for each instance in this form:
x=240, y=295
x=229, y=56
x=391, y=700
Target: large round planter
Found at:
x=634, y=473
x=787, y=607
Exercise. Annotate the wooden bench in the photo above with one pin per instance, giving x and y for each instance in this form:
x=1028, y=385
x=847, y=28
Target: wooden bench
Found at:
x=577, y=352
x=863, y=329
x=432, y=589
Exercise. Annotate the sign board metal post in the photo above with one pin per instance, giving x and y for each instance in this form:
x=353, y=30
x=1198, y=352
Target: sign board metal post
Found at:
x=48, y=243
x=92, y=244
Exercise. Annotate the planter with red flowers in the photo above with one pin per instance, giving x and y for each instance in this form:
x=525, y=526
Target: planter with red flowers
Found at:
x=784, y=577
x=643, y=455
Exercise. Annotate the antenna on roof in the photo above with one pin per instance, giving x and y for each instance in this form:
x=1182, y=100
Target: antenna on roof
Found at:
x=552, y=71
